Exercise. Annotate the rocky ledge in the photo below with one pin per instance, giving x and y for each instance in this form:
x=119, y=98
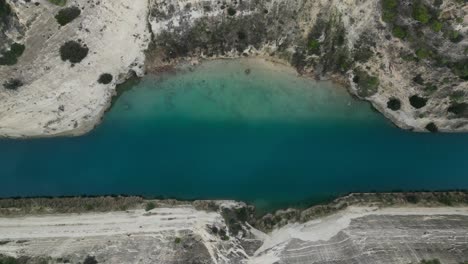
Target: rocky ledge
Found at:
x=61, y=60
x=359, y=228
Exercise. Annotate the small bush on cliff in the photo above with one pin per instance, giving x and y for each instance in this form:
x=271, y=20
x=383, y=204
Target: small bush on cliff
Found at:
x=231, y=11
x=314, y=46
x=5, y=9
x=105, y=78
x=394, y=104
x=90, y=260
x=73, y=51
x=418, y=79
x=460, y=68
x=432, y=261
x=67, y=15
x=423, y=53
x=454, y=36
x=389, y=10
x=150, y=206
x=399, y=32
x=11, y=56
x=436, y=26
x=417, y=101
x=13, y=84
x=58, y=2
x=421, y=13
x=412, y=198
x=459, y=109
x=457, y=95
x=8, y=260
x=431, y=127
x=367, y=84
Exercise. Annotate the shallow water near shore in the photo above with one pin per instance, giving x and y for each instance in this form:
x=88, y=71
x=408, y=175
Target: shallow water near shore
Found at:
x=238, y=129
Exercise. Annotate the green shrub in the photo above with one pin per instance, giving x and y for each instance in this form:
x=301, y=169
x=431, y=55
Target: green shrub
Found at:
x=73, y=51
x=150, y=206
x=446, y=200
x=231, y=11
x=11, y=56
x=105, y=78
x=412, y=198
x=8, y=260
x=399, y=32
x=394, y=104
x=454, y=36
x=417, y=101
x=389, y=11
x=438, y=3
x=459, y=109
x=423, y=53
x=5, y=9
x=223, y=234
x=58, y=2
x=314, y=46
x=430, y=88
x=367, y=84
x=177, y=240
x=457, y=95
x=67, y=15
x=432, y=261
x=460, y=68
x=90, y=260
x=418, y=79
x=363, y=54
x=408, y=56
x=431, y=127
x=13, y=84
x=421, y=13
x=436, y=26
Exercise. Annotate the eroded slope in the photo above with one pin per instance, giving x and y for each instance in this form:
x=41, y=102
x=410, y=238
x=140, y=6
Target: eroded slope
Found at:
x=409, y=58
x=55, y=86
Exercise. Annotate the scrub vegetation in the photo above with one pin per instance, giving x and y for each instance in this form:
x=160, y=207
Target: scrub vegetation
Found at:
x=12, y=84
x=10, y=57
x=459, y=109
x=150, y=206
x=73, y=51
x=105, y=78
x=367, y=84
x=17, y=206
x=5, y=9
x=431, y=261
x=424, y=28
x=417, y=102
x=67, y=15
x=58, y=2
x=394, y=104
x=431, y=127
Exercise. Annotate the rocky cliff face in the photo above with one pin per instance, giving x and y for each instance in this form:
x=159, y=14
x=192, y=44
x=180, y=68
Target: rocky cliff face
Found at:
x=409, y=58
x=10, y=29
x=60, y=76
x=224, y=232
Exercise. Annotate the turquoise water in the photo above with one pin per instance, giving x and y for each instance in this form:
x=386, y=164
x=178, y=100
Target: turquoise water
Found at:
x=216, y=132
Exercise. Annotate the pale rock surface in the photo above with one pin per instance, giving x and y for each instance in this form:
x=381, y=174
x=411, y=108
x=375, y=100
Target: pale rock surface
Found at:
x=58, y=97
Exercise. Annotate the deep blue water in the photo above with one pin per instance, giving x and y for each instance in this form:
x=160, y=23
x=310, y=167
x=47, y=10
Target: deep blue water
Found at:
x=268, y=137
